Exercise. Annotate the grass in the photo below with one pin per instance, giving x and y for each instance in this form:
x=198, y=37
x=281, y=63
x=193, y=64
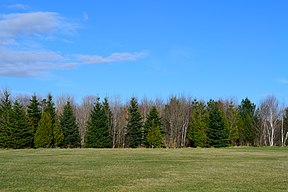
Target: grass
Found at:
x=228, y=169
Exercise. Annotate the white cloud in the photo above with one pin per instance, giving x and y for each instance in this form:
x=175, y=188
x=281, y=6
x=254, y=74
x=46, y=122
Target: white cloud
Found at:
x=33, y=23
x=67, y=41
x=6, y=42
x=20, y=58
x=24, y=60
x=19, y=63
x=114, y=57
x=18, y=6
x=31, y=63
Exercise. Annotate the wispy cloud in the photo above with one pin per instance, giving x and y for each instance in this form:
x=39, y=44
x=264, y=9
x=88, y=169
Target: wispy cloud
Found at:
x=24, y=59
x=33, y=23
x=18, y=6
x=31, y=63
x=114, y=57
x=6, y=42
x=16, y=63
x=283, y=81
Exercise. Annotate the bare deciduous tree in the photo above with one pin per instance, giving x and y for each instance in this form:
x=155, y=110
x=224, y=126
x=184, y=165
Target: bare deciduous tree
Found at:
x=61, y=101
x=270, y=115
x=83, y=114
x=284, y=128
x=119, y=112
x=176, y=117
x=24, y=99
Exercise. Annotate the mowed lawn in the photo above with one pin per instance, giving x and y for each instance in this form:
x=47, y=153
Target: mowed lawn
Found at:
x=188, y=169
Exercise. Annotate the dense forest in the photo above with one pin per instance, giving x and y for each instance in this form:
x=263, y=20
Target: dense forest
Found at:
x=37, y=122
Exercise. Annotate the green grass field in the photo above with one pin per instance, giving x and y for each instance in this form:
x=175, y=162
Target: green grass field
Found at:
x=228, y=169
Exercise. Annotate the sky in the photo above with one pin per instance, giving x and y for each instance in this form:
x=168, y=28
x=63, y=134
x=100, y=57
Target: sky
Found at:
x=145, y=48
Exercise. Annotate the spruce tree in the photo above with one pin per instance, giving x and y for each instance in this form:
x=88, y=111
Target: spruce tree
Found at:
x=109, y=115
x=34, y=114
x=152, y=127
x=197, y=134
x=247, y=115
x=21, y=132
x=49, y=107
x=5, y=119
x=217, y=128
x=44, y=133
x=134, y=136
x=69, y=127
x=97, y=135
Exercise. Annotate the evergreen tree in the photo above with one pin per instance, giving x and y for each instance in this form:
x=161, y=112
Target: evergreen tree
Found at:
x=199, y=124
x=34, y=114
x=57, y=133
x=247, y=116
x=97, y=135
x=5, y=119
x=21, y=133
x=69, y=127
x=233, y=118
x=134, y=128
x=5, y=102
x=44, y=133
x=154, y=136
x=217, y=127
x=109, y=115
x=49, y=107
x=152, y=127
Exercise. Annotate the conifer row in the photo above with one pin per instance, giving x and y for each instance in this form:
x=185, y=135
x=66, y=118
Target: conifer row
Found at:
x=178, y=123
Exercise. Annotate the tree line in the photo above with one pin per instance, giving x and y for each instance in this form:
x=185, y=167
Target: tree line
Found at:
x=36, y=122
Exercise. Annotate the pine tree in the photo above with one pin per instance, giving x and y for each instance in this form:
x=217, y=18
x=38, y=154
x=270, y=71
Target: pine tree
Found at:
x=134, y=128
x=247, y=115
x=152, y=127
x=44, y=133
x=69, y=127
x=34, y=114
x=217, y=128
x=199, y=124
x=5, y=119
x=97, y=135
x=21, y=133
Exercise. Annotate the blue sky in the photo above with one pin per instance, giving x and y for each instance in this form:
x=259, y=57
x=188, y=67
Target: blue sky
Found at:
x=205, y=49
